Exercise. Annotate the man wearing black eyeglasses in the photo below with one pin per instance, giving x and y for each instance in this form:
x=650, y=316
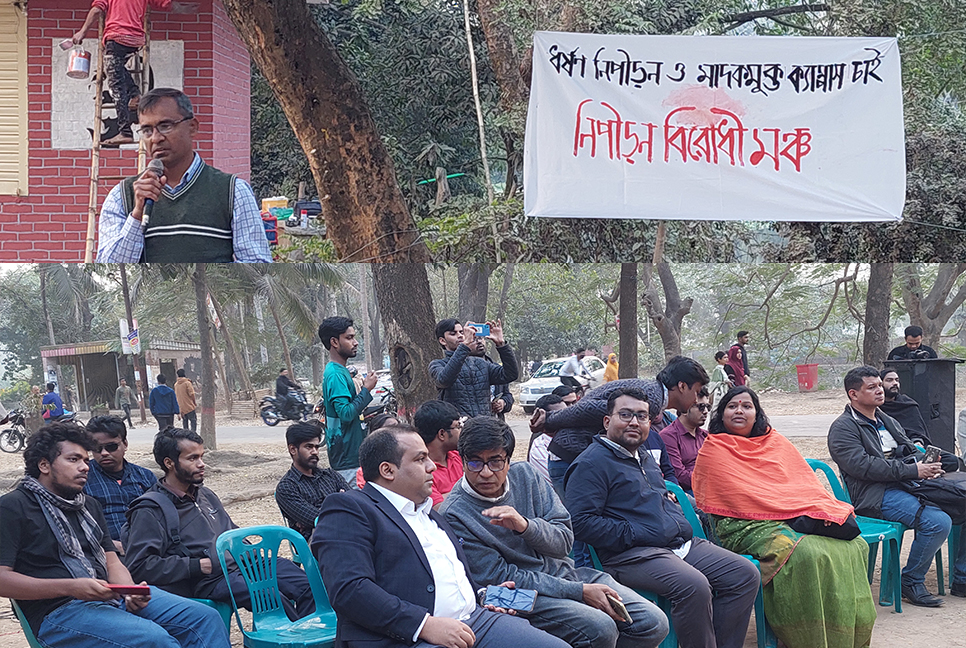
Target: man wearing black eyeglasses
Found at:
x=619, y=505
x=684, y=438
x=197, y=213
x=114, y=481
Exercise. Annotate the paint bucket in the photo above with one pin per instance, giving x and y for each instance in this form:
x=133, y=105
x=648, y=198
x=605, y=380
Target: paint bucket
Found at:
x=79, y=63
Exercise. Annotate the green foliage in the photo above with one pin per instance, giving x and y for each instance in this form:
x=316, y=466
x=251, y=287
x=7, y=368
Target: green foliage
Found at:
x=15, y=393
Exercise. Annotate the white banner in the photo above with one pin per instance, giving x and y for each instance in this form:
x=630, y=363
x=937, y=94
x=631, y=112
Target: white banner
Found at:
x=715, y=128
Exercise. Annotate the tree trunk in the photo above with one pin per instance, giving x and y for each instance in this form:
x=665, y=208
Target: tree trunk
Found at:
x=232, y=349
x=50, y=323
x=474, y=291
x=140, y=379
x=878, y=298
x=281, y=337
x=260, y=323
x=628, y=322
x=505, y=291
x=405, y=302
x=364, y=308
x=365, y=214
x=668, y=320
x=374, y=320
x=207, y=426
x=931, y=311
x=224, y=375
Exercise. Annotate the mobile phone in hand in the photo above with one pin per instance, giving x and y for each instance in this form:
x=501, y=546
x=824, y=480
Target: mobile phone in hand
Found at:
x=619, y=608
x=482, y=330
x=932, y=454
x=521, y=600
x=131, y=590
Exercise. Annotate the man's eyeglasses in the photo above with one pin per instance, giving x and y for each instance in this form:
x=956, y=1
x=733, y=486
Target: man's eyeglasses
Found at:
x=627, y=415
x=495, y=465
x=110, y=447
x=704, y=407
x=164, y=127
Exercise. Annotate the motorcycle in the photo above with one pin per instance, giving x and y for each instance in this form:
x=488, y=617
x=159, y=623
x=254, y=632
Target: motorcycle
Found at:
x=13, y=438
x=272, y=412
x=386, y=404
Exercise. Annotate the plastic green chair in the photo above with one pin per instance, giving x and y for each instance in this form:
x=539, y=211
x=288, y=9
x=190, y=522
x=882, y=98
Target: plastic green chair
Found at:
x=31, y=639
x=763, y=632
x=257, y=562
x=223, y=609
x=671, y=640
x=874, y=531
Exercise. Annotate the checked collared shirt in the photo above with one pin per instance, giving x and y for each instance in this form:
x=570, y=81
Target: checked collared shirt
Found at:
x=300, y=497
x=116, y=494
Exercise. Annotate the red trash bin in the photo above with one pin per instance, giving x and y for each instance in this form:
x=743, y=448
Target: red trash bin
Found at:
x=807, y=377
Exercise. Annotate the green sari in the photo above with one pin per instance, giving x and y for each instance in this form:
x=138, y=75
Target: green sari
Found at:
x=816, y=590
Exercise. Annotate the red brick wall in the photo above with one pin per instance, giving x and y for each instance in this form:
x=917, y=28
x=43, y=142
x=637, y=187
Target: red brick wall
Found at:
x=50, y=223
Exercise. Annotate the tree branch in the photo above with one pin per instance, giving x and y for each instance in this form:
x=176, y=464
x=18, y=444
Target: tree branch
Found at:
x=748, y=16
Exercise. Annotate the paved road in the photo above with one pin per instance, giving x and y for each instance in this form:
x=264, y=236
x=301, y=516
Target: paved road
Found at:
x=790, y=426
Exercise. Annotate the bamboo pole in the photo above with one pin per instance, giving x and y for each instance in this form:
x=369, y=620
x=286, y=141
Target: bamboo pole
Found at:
x=95, y=147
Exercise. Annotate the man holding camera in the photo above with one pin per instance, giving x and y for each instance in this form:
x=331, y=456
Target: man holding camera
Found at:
x=913, y=349
x=464, y=378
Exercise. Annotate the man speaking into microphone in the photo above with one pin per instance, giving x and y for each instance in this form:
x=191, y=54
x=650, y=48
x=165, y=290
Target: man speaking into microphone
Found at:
x=184, y=212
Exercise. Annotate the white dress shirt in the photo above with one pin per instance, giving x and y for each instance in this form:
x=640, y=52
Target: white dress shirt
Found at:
x=455, y=598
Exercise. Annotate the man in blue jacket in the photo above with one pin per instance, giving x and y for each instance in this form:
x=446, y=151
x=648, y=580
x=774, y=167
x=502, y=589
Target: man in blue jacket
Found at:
x=463, y=378
x=163, y=403
x=53, y=406
x=620, y=506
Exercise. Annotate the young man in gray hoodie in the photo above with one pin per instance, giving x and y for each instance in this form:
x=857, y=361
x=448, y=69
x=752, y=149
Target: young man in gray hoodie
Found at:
x=513, y=527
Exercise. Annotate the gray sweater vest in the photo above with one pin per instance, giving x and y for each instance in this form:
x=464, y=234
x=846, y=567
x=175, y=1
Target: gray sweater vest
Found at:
x=192, y=225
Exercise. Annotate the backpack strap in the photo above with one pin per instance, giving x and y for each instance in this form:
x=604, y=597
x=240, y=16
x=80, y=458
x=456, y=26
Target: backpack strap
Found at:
x=172, y=521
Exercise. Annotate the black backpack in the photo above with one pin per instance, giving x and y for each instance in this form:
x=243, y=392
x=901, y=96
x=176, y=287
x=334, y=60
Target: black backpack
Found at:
x=172, y=521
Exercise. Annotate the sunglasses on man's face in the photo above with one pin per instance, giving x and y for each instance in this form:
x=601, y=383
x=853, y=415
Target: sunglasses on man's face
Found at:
x=704, y=407
x=110, y=447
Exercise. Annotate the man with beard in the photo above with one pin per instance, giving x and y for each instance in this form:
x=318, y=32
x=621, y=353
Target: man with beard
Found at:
x=501, y=400
x=684, y=438
x=183, y=560
x=302, y=489
x=57, y=560
x=343, y=405
x=463, y=378
x=903, y=409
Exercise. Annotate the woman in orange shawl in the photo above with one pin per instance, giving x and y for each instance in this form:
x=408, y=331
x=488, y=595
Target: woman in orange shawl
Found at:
x=765, y=501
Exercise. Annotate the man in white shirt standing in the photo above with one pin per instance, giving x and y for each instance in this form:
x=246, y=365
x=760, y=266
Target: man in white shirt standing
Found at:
x=393, y=568
x=575, y=367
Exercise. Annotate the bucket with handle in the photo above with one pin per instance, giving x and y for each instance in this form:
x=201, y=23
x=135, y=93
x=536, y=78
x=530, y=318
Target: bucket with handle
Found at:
x=79, y=63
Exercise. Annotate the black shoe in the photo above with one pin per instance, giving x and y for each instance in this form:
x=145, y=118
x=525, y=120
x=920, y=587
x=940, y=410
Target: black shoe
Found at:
x=919, y=595
x=958, y=589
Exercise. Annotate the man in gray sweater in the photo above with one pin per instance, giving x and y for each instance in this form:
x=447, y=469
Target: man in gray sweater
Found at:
x=513, y=527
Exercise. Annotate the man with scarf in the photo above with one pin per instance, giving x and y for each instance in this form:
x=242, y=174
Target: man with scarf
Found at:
x=57, y=561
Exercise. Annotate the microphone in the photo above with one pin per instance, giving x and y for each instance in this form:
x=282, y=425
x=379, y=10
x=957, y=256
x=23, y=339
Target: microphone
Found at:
x=156, y=167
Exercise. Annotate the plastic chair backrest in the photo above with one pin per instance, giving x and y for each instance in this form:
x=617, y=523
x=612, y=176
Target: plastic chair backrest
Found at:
x=838, y=489
x=685, y=505
x=27, y=631
x=257, y=562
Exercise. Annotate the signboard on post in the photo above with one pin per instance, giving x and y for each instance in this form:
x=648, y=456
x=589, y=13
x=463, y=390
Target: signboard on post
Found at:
x=715, y=128
x=129, y=338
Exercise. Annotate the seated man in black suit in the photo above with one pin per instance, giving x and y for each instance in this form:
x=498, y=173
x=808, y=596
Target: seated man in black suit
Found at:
x=393, y=568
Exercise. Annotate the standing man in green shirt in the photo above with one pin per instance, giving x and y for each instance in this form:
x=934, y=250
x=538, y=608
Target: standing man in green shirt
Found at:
x=343, y=407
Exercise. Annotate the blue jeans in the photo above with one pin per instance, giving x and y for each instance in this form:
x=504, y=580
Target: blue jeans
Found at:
x=557, y=470
x=168, y=621
x=931, y=533
x=583, y=626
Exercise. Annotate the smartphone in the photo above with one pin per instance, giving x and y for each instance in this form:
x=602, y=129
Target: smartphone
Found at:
x=619, y=608
x=521, y=600
x=482, y=330
x=131, y=590
x=932, y=454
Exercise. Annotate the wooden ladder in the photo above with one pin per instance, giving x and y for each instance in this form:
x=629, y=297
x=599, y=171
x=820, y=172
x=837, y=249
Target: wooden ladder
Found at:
x=142, y=76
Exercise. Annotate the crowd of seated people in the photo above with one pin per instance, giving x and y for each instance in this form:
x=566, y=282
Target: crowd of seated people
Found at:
x=444, y=512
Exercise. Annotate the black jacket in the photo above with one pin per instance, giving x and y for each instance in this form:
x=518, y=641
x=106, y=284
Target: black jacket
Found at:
x=618, y=502
x=905, y=410
x=464, y=380
x=149, y=552
x=856, y=447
